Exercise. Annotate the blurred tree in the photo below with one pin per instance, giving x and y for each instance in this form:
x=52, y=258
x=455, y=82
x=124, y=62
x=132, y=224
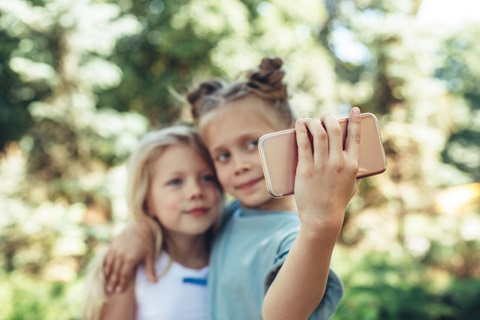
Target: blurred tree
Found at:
x=14, y=97
x=80, y=81
x=56, y=63
x=386, y=62
x=64, y=52
x=162, y=57
x=184, y=42
x=461, y=71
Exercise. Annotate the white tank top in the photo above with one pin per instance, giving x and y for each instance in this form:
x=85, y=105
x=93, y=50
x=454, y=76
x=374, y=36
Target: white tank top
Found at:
x=180, y=294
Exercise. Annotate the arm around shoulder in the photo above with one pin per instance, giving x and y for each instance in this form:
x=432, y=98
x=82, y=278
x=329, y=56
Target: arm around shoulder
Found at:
x=131, y=247
x=99, y=305
x=120, y=305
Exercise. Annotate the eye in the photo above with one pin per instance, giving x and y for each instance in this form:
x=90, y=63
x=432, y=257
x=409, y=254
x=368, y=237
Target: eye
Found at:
x=222, y=157
x=174, y=182
x=208, y=178
x=252, y=145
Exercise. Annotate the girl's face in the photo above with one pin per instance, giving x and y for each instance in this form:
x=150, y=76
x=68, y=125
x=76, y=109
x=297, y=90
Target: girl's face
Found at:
x=231, y=134
x=183, y=194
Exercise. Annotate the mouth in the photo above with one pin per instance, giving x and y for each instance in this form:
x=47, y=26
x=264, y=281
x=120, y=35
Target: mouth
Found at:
x=249, y=184
x=197, y=212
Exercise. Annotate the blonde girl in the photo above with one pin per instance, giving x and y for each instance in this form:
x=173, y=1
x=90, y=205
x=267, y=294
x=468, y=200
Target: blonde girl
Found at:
x=174, y=194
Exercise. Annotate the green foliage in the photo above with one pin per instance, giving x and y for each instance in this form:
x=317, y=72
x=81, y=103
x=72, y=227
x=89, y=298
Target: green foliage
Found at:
x=461, y=71
x=159, y=58
x=81, y=81
x=386, y=287
x=26, y=298
x=14, y=98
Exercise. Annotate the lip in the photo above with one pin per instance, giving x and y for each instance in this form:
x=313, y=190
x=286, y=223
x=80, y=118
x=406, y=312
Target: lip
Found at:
x=197, y=212
x=249, y=184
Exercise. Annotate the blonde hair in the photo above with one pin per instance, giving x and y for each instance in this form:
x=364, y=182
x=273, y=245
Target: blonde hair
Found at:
x=140, y=171
x=148, y=150
x=94, y=287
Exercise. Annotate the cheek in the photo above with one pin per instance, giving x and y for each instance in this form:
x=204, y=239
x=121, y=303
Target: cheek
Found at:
x=255, y=159
x=216, y=197
x=149, y=204
x=223, y=175
x=162, y=204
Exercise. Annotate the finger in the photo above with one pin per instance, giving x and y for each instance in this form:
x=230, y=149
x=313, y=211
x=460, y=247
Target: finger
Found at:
x=303, y=142
x=334, y=134
x=125, y=274
x=320, y=140
x=113, y=279
x=150, y=268
x=107, y=265
x=352, y=144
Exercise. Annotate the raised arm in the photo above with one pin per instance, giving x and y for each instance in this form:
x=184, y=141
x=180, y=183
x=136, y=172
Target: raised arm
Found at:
x=324, y=184
x=131, y=247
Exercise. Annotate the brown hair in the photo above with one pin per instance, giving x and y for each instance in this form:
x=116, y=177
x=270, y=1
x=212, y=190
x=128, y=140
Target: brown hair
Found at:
x=265, y=83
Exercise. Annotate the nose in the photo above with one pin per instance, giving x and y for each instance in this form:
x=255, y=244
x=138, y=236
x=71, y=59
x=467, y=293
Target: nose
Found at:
x=195, y=190
x=241, y=165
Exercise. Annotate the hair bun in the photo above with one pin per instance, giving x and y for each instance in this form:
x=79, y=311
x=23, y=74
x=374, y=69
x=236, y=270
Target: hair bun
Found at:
x=197, y=96
x=272, y=64
x=266, y=81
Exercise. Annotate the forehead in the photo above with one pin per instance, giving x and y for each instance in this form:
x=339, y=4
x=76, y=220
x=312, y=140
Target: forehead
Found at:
x=179, y=157
x=249, y=117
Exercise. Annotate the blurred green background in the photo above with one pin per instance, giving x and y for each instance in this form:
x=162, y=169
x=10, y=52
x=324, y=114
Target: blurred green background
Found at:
x=81, y=81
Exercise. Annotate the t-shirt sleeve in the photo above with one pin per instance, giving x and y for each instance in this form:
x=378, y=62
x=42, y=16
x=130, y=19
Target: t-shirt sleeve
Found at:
x=331, y=298
x=333, y=291
x=283, y=249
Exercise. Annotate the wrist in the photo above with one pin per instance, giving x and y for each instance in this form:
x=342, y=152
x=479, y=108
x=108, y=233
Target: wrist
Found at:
x=322, y=225
x=318, y=240
x=143, y=228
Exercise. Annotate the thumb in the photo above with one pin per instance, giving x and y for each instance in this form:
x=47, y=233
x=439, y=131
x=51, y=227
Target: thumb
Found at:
x=150, y=268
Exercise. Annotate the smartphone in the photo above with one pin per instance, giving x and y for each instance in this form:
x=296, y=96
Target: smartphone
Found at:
x=278, y=152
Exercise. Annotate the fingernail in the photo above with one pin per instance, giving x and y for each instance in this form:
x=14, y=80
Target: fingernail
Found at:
x=356, y=110
x=109, y=289
x=118, y=289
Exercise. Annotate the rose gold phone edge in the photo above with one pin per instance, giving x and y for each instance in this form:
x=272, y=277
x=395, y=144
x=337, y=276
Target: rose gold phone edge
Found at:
x=367, y=118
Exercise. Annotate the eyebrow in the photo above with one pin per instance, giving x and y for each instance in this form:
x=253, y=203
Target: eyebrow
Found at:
x=242, y=138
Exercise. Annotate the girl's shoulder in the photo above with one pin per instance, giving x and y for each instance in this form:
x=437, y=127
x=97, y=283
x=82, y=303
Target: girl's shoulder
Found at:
x=229, y=210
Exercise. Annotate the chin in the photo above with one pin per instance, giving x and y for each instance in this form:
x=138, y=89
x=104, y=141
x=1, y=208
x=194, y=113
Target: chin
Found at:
x=255, y=202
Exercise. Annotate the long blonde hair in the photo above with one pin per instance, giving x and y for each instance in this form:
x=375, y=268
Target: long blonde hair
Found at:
x=140, y=171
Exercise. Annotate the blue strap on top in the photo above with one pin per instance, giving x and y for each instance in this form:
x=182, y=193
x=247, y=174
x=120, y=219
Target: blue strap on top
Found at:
x=197, y=281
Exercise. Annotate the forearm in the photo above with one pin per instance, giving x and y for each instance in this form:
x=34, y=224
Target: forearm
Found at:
x=120, y=305
x=131, y=247
x=300, y=284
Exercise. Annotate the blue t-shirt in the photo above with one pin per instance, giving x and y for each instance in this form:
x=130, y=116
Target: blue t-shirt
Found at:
x=248, y=251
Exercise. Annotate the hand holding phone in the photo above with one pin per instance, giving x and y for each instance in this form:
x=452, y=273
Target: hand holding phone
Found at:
x=278, y=153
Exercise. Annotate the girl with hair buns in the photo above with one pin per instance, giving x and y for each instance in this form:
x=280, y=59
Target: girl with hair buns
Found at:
x=268, y=262
x=172, y=188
